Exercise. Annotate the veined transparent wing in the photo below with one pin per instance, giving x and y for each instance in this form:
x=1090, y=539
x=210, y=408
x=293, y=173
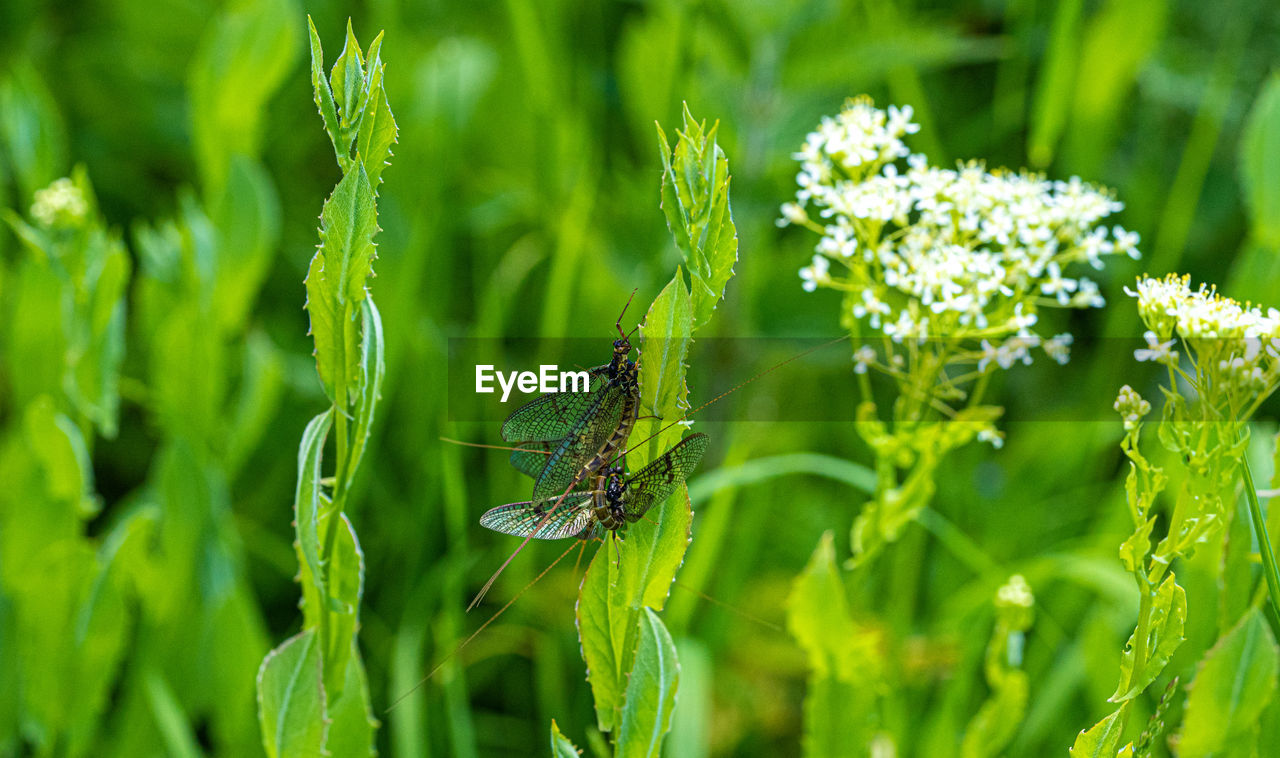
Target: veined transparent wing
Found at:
x=529, y=458
x=588, y=435
x=526, y=519
x=553, y=415
x=655, y=483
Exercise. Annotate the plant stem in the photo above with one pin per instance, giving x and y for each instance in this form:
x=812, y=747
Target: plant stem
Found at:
x=1260, y=532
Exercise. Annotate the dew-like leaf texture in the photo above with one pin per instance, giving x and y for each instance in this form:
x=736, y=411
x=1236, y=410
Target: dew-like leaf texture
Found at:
x=291, y=699
x=1260, y=163
x=307, y=506
x=1102, y=740
x=561, y=747
x=1164, y=635
x=1235, y=682
x=351, y=721
x=650, y=696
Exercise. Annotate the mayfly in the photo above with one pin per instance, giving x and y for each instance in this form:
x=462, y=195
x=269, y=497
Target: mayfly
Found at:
x=615, y=502
x=563, y=439
x=568, y=436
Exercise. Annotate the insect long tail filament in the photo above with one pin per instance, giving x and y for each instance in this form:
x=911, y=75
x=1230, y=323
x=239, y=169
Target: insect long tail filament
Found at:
x=476, y=633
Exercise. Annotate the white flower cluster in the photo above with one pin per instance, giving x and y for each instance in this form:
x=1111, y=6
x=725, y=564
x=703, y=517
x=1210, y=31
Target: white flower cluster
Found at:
x=1236, y=345
x=944, y=253
x=59, y=205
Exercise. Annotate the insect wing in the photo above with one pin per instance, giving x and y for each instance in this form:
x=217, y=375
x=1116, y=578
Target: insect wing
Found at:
x=530, y=458
x=655, y=482
x=592, y=431
x=552, y=416
x=525, y=519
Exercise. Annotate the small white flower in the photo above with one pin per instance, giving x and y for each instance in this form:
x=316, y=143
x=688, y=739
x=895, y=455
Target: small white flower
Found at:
x=1126, y=242
x=863, y=357
x=990, y=353
x=793, y=213
x=1157, y=351
x=1058, y=347
x=871, y=306
x=993, y=437
x=815, y=273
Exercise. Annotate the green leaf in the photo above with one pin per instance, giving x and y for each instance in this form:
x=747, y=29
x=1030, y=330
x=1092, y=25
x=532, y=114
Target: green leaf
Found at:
x=61, y=452
x=31, y=128
x=323, y=94
x=1056, y=83
x=1163, y=636
x=372, y=368
x=291, y=699
x=1102, y=740
x=336, y=278
x=247, y=216
x=665, y=339
x=347, y=77
x=996, y=723
x=346, y=588
x=651, y=691
x=1236, y=681
x=1260, y=163
x=378, y=130
x=818, y=615
x=838, y=718
x=350, y=714
x=695, y=200
x=561, y=747
x=242, y=59
x=306, y=512
x=172, y=722
x=1133, y=551
x=839, y=706
x=615, y=589
x=347, y=225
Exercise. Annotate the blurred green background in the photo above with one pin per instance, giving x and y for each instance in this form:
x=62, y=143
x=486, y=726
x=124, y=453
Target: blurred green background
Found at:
x=145, y=553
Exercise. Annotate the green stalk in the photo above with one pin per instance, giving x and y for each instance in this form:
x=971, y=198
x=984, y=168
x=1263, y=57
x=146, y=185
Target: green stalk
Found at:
x=1264, y=540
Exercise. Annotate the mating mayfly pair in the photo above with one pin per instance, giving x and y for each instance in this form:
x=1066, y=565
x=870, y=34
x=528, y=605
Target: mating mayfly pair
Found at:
x=573, y=445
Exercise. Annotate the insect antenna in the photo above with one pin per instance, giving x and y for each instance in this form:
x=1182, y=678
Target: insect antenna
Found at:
x=737, y=387
x=618, y=325
x=495, y=447
x=474, y=634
